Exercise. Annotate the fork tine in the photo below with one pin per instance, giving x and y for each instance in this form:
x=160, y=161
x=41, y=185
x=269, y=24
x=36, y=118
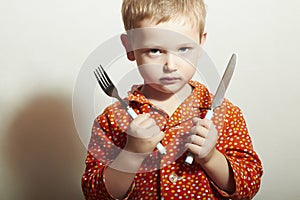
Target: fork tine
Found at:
x=105, y=75
x=98, y=77
x=102, y=76
x=104, y=83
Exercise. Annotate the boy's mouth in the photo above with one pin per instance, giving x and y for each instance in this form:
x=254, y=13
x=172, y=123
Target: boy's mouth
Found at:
x=169, y=80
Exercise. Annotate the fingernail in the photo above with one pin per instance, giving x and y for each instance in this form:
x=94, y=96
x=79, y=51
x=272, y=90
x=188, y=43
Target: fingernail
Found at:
x=195, y=120
x=190, y=139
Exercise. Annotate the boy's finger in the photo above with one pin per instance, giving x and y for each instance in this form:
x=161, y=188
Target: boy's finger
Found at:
x=206, y=123
x=158, y=137
x=140, y=118
x=148, y=123
x=195, y=120
x=149, y=132
x=202, y=122
x=193, y=148
x=194, y=139
x=199, y=130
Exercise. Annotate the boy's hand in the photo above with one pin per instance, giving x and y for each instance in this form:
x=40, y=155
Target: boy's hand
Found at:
x=203, y=139
x=143, y=134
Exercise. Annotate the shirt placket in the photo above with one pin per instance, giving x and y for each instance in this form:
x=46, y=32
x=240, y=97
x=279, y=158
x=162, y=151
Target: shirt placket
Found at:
x=172, y=177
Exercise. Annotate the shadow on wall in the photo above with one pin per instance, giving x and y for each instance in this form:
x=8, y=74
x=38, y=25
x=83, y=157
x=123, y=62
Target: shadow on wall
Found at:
x=42, y=151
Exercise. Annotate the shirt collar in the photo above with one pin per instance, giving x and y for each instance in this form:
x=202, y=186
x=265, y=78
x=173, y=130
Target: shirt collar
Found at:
x=199, y=98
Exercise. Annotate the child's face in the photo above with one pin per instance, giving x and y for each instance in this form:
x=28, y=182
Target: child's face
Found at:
x=166, y=54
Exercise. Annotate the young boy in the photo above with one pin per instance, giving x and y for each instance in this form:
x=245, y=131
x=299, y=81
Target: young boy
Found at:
x=122, y=162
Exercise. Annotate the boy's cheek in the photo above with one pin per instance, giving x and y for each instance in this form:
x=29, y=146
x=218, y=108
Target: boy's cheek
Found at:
x=191, y=57
x=191, y=60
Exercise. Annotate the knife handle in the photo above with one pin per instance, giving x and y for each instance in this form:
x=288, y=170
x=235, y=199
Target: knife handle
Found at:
x=190, y=157
x=209, y=114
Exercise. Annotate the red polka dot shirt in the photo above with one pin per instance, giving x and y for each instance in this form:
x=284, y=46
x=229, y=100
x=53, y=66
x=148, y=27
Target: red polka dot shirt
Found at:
x=168, y=176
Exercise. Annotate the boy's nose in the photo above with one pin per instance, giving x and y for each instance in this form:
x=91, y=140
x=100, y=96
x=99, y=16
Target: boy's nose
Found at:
x=170, y=64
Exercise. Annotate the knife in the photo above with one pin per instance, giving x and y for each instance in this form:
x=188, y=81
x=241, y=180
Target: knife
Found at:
x=219, y=96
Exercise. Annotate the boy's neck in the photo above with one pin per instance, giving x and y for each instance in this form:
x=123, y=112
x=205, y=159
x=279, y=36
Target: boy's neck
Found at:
x=166, y=101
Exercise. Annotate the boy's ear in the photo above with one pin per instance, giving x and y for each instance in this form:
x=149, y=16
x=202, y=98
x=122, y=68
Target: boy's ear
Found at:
x=127, y=45
x=203, y=38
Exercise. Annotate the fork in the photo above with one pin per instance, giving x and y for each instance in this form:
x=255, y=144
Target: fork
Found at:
x=109, y=88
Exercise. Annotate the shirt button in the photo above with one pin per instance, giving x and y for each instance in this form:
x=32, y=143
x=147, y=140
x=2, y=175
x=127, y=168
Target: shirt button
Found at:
x=174, y=177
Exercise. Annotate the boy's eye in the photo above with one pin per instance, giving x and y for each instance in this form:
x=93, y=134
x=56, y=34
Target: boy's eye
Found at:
x=183, y=49
x=154, y=52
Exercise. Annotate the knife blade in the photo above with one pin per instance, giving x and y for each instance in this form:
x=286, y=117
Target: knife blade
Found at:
x=219, y=96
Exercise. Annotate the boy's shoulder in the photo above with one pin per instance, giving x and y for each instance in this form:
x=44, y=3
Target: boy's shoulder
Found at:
x=226, y=103
x=197, y=84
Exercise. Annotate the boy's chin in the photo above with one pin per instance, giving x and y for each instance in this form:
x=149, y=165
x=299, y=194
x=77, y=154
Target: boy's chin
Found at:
x=170, y=89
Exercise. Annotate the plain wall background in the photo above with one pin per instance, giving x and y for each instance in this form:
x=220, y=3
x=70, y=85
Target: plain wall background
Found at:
x=44, y=43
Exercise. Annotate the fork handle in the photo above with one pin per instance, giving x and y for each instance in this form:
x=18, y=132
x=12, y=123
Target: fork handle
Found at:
x=133, y=115
x=190, y=157
x=131, y=112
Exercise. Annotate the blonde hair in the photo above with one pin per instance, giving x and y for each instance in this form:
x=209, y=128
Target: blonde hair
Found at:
x=158, y=11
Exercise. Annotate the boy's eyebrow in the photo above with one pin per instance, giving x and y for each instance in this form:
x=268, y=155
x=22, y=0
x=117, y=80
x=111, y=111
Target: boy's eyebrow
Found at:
x=155, y=45
x=162, y=46
x=188, y=44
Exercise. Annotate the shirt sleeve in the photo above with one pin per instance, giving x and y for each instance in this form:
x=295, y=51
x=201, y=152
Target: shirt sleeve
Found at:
x=235, y=143
x=101, y=152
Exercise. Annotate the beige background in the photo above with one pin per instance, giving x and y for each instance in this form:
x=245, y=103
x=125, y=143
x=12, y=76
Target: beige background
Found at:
x=44, y=43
